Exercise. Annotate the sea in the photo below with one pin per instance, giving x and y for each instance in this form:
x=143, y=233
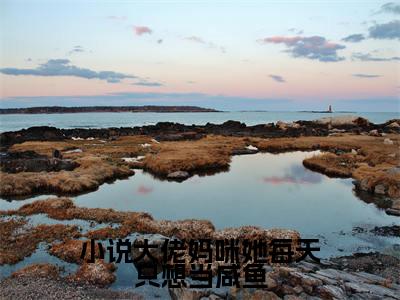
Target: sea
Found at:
x=15, y=122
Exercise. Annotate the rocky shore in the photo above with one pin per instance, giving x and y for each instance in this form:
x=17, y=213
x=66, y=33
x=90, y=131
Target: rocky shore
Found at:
x=80, y=160
x=46, y=160
x=305, y=280
x=167, y=131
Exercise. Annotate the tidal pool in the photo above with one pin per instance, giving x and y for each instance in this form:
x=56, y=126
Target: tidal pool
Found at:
x=266, y=190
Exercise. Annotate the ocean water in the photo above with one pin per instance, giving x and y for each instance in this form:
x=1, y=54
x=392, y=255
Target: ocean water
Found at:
x=104, y=120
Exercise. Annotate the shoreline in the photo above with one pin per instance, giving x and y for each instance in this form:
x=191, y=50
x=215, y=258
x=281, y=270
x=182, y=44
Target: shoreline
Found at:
x=176, y=152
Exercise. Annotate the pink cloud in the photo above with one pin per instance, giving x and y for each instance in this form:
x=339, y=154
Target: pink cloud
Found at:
x=312, y=47
x=144, y=190
x=139, y=30
x=281, y=40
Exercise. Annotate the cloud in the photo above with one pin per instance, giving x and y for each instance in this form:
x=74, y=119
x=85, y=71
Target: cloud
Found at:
x=296, y=31
x=369, y=57
x=148, y=83
x=62, y=67
x=76, y=49
x=140, y=30
x=117, y=18
x=313, y=47
x=390, y=7
x=199, y=40
x=295, y=175
x=354, y=38
x=277, y=78
x=195, y=39
x=366, y=75
x=389, y=30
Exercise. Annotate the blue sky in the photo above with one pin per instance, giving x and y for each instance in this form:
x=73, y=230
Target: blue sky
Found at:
x=230, y=54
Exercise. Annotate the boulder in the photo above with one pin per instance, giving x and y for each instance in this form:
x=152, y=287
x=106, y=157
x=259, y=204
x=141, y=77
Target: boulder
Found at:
x=37, y=165
x=388, y=141
x=374, y=132
x=344, y=120
x=380, y=189
x=393, y=125
x=393, y=171
x=178, y=175
x=156, y=253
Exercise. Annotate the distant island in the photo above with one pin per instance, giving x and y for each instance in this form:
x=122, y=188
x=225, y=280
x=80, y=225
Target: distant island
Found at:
x=92, y=109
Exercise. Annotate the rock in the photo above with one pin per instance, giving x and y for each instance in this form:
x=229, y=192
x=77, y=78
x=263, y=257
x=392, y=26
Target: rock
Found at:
x=378, y=291
x=343, y=120
x=374, y=132
x=191, y=293
x=363, y=184
x=362, y=122
x=157, y=253
x=291, y=297
x=393, y=171
x=393, y=125
x=282, y=125
x=57, y=154
x=263, y=295
x=29, y=161
x=178, y=175
x=243, y=151
x=380, y=189
x=393, y=212
x=388, y=141
x=295, y=125
x=76, y=150
x=331, y=292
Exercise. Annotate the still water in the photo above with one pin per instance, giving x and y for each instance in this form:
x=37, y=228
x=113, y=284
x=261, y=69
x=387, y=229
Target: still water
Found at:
x=266, y=190
x=105, y=120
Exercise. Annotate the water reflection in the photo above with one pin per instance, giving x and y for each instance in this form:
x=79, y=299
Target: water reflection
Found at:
x=144, y=190
x=295, y=175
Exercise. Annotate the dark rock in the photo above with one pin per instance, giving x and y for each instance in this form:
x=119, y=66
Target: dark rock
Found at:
x=393, y=212
x=30, y=161
x=243, y=151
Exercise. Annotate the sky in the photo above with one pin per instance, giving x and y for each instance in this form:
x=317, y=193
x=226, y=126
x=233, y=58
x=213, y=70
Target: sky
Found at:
x=232, y=55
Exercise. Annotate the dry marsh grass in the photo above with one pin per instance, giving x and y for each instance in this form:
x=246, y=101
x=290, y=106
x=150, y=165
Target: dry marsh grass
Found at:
x=209, y=153
x=92, y=172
